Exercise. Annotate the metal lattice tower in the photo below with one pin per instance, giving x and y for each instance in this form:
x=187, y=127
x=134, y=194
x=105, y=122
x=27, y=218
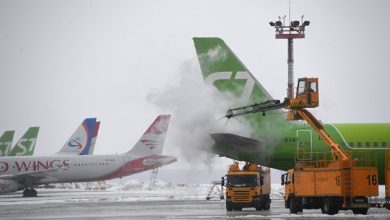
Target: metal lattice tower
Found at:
x=294, y=30
x=153, y=178
x=218, y=187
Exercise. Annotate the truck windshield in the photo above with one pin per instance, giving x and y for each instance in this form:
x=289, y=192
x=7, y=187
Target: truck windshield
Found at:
x=301, y=87
x=242, y=180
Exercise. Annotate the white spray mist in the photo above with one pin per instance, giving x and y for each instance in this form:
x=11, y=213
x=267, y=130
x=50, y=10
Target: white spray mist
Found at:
x=197, y=111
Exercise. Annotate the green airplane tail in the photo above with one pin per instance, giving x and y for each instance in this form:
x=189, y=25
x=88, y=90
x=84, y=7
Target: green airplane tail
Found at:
x=222, y=68
x=26, y=145
x=6, y=142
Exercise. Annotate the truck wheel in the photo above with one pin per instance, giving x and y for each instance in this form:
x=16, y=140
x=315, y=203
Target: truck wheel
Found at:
x=267, y=205
x=228, y=208
x=267, y=202
x=336, y=210
x=329, y=207
x=360, y=211
x=259, y=206
x=325, y=208
x=293, y=205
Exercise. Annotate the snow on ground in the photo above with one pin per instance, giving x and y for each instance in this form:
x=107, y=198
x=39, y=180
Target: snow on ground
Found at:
x=127, y=191
x=162, y=190
x=135, y=199
x=123, y=190
x=173, y=191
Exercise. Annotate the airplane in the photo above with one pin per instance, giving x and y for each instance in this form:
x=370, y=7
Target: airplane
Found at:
x=6, y=142
x=82, y=141
x=274, y=141
x=26, y=144
x=18, y=173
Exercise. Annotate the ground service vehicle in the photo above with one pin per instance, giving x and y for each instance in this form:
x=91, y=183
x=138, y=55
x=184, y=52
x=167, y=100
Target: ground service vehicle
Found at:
x=332, y=182
x=247, y=187
x=387, y=181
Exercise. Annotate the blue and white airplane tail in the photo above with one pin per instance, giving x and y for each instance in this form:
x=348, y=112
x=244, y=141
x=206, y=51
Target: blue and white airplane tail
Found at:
x=82, y=139
x=152, y=141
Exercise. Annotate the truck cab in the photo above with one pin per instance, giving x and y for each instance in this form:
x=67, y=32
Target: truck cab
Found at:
x=306, y=95
x=245, y=187
x=287, y=179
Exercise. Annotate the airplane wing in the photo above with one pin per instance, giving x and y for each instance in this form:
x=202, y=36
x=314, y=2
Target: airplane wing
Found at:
x=239, y=148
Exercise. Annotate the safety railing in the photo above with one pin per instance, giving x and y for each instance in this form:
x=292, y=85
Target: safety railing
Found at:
x=322, y=159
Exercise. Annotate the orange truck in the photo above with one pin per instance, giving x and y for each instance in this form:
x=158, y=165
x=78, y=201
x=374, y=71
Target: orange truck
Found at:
x=330, y=188
x=387, y=181
x=249, y=186
x=333, y=183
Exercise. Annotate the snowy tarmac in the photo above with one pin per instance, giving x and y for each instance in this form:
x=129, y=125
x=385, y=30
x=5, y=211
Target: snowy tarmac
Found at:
x=135, y=202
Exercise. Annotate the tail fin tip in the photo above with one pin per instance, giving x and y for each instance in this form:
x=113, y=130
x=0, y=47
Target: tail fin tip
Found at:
x=152, y=141
x=221, y=68
x=159, y=125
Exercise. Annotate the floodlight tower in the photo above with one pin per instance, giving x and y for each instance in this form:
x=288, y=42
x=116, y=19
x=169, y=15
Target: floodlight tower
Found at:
x=289, y=32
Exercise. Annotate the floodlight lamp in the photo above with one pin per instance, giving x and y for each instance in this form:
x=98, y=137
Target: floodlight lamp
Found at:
x=272, y=23
x=278, y=23
x=295, y=23
x=306, y=23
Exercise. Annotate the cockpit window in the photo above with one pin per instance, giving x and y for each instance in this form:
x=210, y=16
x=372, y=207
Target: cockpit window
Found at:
x=301, y=87
x=313, y=87
x=242, y=180
x=289, y=178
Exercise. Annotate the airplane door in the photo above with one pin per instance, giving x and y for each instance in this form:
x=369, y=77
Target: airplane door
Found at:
x=304, y=144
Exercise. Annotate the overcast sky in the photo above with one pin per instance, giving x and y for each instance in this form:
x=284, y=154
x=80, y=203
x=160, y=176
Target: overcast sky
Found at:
x=63, y=61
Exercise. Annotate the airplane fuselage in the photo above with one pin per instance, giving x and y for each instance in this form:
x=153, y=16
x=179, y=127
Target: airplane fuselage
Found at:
x=281, y=150
x=53, y=169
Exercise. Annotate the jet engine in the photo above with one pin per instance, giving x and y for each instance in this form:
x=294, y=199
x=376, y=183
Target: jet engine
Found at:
x=8, y=185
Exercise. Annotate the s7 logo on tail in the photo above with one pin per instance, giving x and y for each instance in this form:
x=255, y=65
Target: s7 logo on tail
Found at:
x=6, y=146
x=25, y=145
